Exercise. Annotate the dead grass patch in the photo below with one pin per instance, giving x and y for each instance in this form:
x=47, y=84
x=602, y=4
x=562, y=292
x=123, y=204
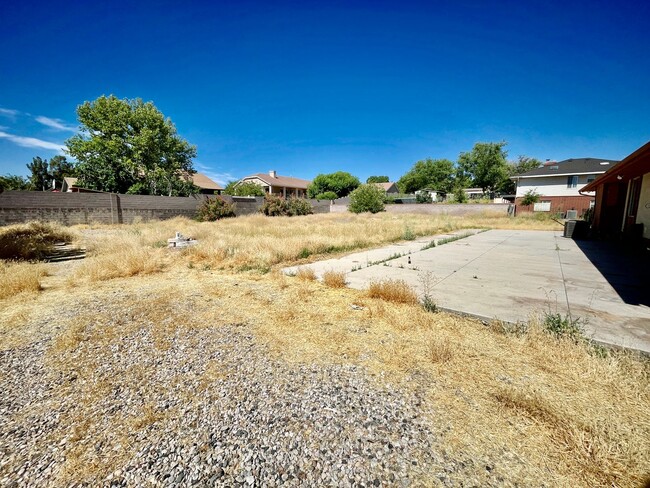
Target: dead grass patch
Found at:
x=396, y=291
x=32, y=240
x=306, y=274
x=334, y=279
x=440, y=350
x=16, y=278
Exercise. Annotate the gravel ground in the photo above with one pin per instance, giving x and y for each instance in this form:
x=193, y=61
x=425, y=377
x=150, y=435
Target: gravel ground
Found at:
x=221, y=411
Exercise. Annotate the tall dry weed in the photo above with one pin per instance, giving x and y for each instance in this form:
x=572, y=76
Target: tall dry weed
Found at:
x=32, y=240
x=396, y=291
x=16, y=278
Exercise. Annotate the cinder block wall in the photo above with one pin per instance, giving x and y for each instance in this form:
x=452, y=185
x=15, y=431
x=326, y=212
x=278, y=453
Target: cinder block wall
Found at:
x=107, y=208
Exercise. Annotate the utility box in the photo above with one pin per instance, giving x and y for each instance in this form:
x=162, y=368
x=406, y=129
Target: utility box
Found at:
x=576, y=229
x=571, y=214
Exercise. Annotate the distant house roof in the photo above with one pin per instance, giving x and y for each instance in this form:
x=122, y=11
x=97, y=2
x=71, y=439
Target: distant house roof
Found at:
x=70, y=182
x=205, y=183
x=391, y=185
x=570, y=167
x=277, y=180
x=198, y=179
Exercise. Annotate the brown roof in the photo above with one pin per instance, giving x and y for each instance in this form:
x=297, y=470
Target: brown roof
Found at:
x=202, y=181
x=285, y=181
x=635, y=164
x=386, y=186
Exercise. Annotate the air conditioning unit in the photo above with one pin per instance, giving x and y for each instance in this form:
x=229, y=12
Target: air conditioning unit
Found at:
x=571, y=214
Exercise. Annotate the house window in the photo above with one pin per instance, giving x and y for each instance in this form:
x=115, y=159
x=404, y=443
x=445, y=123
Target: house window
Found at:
x=591, y=178
x=543, y=206
x=572, y=182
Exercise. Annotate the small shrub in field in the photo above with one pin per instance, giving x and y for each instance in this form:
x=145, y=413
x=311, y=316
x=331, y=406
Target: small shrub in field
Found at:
x=306, y=274
x=328, y=195
x=367, y=198
x=276, y=206
x=396, y=291
x=214, y=209
x=423, y=197
x=334, y=279
x=32, y=240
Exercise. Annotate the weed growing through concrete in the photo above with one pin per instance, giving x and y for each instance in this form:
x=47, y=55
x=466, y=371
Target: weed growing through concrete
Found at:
x=427, y=280
x=560, y=326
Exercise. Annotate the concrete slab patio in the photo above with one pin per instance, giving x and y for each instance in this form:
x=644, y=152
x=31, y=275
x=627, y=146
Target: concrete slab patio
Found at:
x=512, y=275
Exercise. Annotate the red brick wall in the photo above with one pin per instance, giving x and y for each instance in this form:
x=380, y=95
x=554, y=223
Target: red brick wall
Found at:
x=560, y=204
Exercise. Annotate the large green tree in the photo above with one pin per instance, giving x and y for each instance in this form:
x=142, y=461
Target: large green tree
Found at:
x=40, y=178
x=14, y=182
x=128, y=146
x=244, y=189
x=519, y=167
x=61, y=168
x=485, y=166
x=377, y=179
x=341, y=183
x=437, y=174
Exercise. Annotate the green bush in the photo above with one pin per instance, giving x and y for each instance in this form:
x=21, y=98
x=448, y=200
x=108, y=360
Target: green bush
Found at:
x=300, y=206
x=423, y=197
x=214, y=209
x=276, y=206
x=328, y=195
x=367, y=198
x=245, y=189
x=563, y=326
x=460, y=196
x=530, y=198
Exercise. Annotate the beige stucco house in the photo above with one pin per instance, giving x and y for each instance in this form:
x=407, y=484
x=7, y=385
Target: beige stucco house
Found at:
x=286, y=186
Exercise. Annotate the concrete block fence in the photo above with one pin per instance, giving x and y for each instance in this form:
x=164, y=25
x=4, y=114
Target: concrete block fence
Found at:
x=110, y=208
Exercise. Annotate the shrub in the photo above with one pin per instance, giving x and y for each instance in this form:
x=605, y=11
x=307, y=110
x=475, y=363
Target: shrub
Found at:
x=460, y=196
x=31, y=241
x=214, y=209
x=530, y=198
x=300, y=206
x=328, y=195
x=276, y=206
x=367, y=198
x=423, y=197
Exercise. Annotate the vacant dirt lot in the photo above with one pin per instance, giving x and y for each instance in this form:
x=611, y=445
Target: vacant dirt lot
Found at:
x=141, y=366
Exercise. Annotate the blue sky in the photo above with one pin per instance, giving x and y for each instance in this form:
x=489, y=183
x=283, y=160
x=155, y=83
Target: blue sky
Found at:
x=312, y=87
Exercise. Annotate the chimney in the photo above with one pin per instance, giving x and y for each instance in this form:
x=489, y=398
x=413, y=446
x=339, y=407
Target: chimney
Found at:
x=273, y=174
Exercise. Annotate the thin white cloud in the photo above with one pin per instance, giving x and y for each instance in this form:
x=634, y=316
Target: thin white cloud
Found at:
x=221, y=178
x=31, y=142
x=9, y=113
x=55, y=123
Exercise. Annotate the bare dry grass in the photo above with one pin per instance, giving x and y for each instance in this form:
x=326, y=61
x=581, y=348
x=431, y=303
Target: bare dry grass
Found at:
x=334, y=279
x=306, y=274
x=530, y=406
x=396, y=291
x=16, y=278
x=31, y=240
